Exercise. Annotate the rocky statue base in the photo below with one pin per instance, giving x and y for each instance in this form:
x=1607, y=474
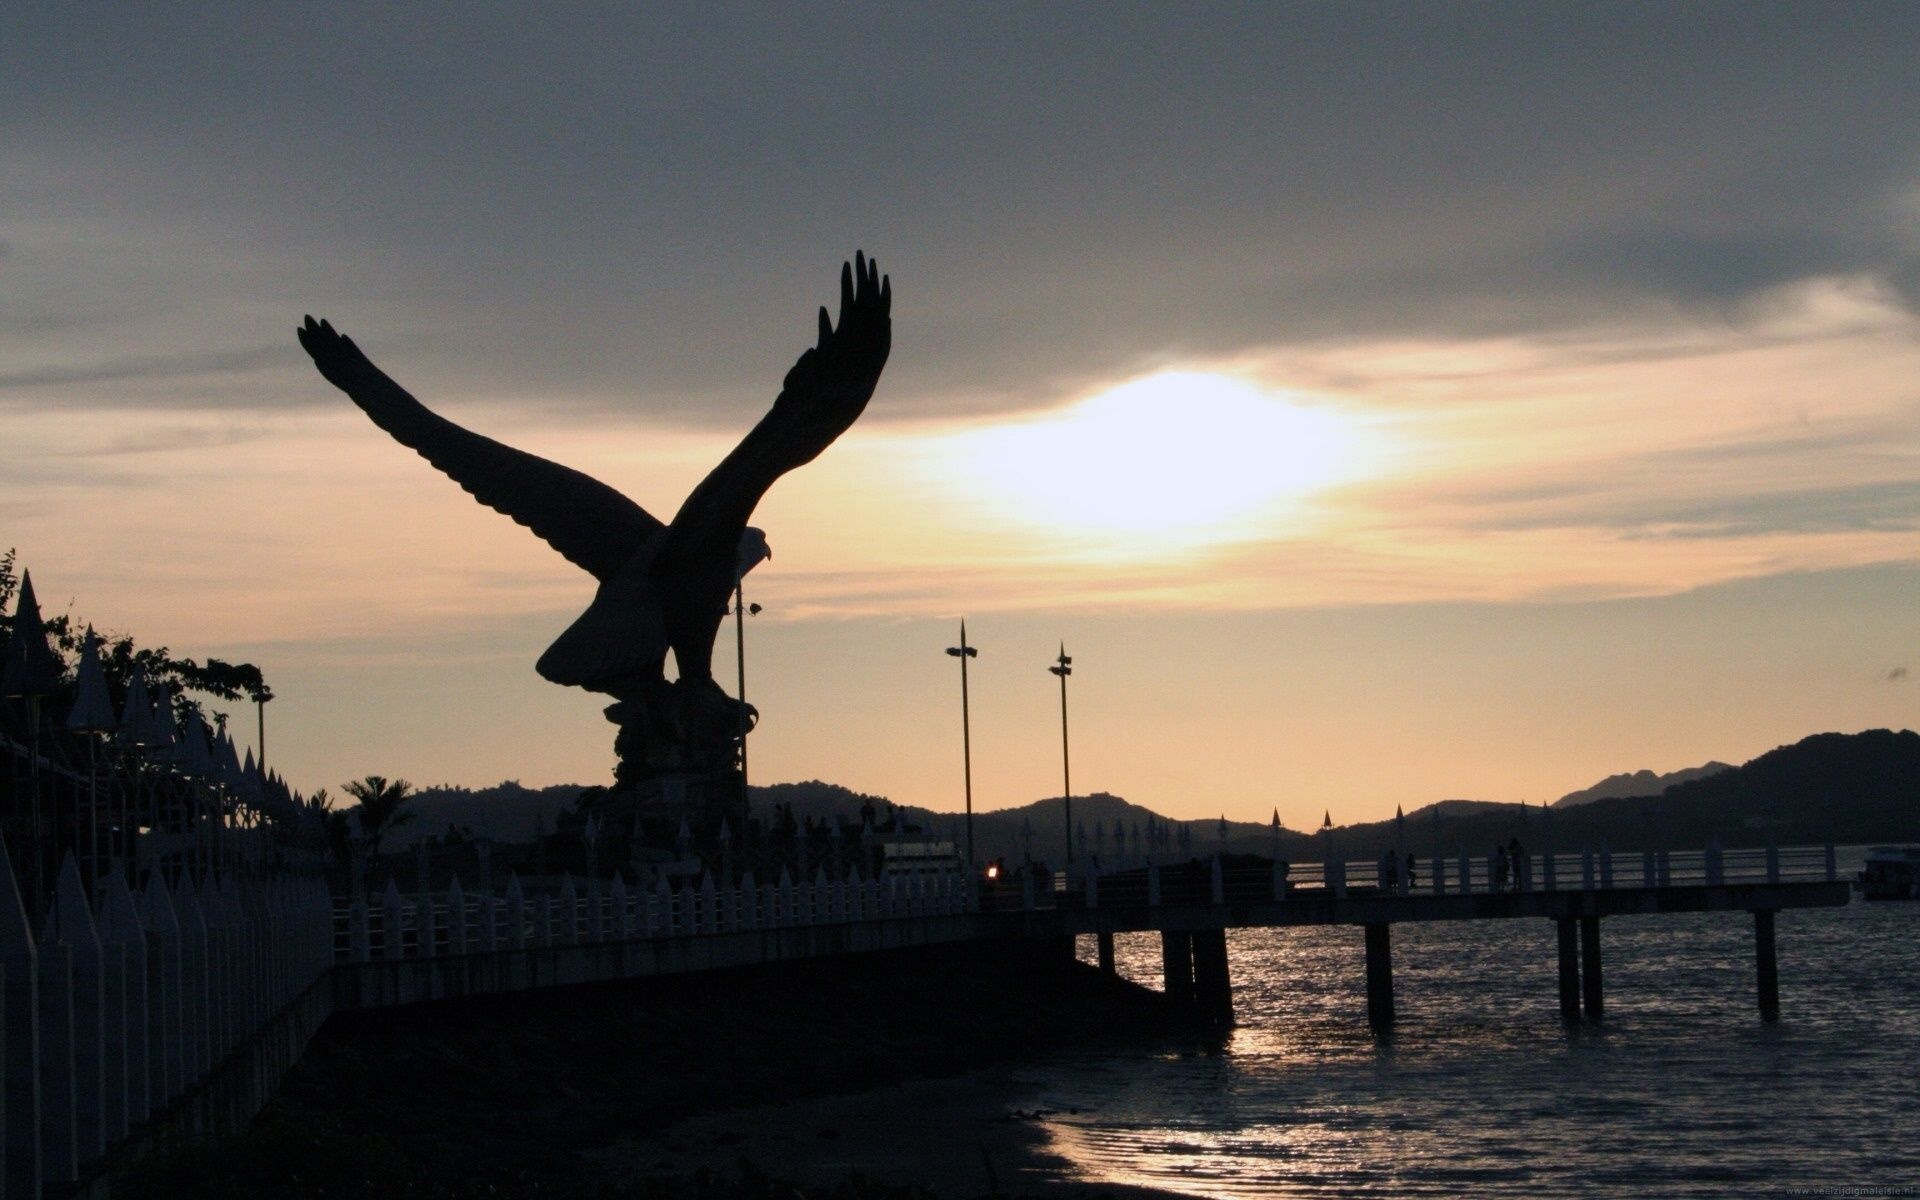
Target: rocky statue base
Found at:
x=677, y=823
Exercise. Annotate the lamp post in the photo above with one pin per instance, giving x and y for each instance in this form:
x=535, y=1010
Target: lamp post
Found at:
x=963, y=652
x=1063, y=667
x=260, y=708
x=752, y=549
x=741, y=609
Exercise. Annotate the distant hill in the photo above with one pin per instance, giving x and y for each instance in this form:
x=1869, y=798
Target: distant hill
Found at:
x=1845, y=788
x=1639, y=783
x=505, y=812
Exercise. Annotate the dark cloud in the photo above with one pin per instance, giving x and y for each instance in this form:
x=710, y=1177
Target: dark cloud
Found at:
x=1896, y=675
x=148, y=367
x=575, y=203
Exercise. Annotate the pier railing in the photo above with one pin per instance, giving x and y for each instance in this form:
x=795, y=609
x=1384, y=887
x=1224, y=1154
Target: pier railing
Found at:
x=399, y=925
x=1224, y=879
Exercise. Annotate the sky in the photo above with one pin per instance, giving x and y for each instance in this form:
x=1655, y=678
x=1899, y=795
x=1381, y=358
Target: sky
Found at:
x=1382, y=403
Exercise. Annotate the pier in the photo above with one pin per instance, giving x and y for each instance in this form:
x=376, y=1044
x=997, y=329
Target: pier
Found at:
x=1191, y=906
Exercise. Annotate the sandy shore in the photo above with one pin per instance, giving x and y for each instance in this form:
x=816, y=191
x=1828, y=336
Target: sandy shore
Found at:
x=812, y=1071
x=969, y=1136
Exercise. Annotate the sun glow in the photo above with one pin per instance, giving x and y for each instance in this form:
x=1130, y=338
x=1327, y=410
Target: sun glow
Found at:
x=1181, y=457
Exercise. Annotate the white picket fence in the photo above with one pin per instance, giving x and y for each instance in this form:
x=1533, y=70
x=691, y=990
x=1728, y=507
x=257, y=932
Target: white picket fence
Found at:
x=125, y=1001
x=398, y=925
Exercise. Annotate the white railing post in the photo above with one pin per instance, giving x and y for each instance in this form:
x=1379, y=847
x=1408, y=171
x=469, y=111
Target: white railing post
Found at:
x=516, y=913
x=393, y=923
x=567, y=931
x=19, y=1041
x=219, y=971
x=196, y=984
x=542, y=920
x=684, y=912
x=749, y=902
x=166, y=1071
x=456, y=916
x=59, y=1118
x=622, y=919
x=489, y=915
x=120, y=928
x=424, y=923
x=70, y=924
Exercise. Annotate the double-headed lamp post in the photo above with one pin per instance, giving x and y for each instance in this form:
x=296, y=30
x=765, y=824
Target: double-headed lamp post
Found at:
x=1063, y=667
x=963, y=652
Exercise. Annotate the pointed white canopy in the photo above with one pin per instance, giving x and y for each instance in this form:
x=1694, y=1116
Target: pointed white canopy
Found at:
x=166, y=730
x=92, y=711
x=138, y=729
x=191, y=753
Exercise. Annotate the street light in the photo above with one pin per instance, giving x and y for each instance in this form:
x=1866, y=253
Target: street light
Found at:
x=963, y=652
x=1063, y=667
x=741, y=611
x=752, y=550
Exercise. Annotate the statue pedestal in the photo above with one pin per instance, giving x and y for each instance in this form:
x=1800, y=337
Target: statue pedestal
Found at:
x=673, y=817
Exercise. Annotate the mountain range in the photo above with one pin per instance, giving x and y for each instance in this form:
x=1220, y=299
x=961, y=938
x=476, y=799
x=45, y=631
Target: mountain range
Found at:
x=1844, y=788
x=1639, y=783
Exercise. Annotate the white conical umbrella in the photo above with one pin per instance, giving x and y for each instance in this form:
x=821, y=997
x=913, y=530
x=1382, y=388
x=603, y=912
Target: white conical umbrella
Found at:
x=166, y=730
x=193, y=755
x=138, y=729
x=92, y=711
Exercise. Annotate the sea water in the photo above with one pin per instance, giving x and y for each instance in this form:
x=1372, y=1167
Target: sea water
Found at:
x=1481, y=1090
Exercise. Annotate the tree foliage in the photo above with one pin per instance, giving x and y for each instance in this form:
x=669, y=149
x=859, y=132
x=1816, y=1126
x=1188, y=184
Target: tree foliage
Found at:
x=119, y=655
x=380, y=810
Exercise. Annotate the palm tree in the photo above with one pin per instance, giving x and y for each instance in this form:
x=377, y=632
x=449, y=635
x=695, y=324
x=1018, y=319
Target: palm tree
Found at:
x=379, y=809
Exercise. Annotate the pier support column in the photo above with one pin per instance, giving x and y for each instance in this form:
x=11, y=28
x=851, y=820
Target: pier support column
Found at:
x=1766, y=965
x=1590, y=984
x=1569, y=970
x=1103, y=946
x=1212, y=985
x=1176, y=966
x=1380, y=976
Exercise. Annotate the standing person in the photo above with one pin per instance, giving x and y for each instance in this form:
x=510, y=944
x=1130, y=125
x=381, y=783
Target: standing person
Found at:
x=1517, y=861
x=1412, y=882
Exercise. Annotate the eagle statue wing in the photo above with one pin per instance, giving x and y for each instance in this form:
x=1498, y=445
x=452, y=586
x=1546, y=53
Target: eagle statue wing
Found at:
x=594, y=526
x=827, y=389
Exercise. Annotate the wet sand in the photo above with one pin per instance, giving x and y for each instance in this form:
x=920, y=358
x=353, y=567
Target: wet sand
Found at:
x=874, y=1063
x=969, y=1136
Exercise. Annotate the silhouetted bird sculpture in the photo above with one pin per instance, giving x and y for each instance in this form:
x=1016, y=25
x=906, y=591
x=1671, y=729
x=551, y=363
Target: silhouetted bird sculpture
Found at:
x=661, y=586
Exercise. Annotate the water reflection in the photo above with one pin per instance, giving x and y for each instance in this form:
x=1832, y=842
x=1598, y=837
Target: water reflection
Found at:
x=1683, y=1092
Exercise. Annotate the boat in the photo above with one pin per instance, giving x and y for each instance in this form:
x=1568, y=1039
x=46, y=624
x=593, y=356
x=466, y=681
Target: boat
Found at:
x=1891, y=873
